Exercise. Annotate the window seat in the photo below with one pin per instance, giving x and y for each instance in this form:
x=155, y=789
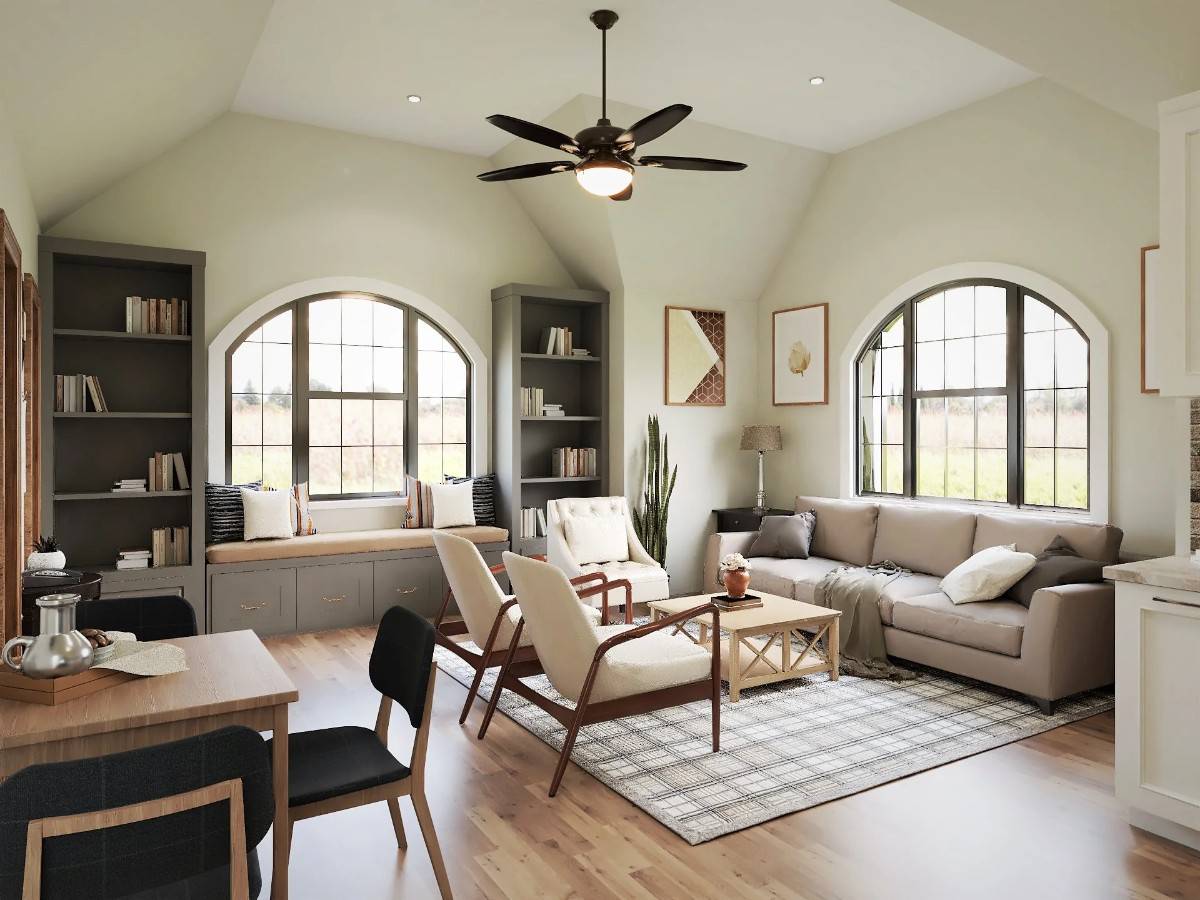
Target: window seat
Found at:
x=334, y=543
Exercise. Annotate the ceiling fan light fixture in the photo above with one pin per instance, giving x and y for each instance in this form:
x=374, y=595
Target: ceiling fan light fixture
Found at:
x=604, y=176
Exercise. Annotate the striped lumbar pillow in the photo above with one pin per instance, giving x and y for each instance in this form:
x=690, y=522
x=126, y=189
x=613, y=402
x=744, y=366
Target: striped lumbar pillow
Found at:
x=223, y=513
x=483, y=495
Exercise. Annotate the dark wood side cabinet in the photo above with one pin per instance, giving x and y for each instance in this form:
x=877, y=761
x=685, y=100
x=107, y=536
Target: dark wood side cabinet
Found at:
x=744, y=518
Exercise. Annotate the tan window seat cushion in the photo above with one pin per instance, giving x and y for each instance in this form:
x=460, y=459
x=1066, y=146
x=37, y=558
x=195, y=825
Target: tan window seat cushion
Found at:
x=333, y=543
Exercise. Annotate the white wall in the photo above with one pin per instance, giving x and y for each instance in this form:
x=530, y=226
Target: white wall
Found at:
x=15, y=198
x=1036, y=177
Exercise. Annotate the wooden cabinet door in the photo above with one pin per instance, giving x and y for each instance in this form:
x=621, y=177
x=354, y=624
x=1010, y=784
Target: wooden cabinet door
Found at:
x=339, y=595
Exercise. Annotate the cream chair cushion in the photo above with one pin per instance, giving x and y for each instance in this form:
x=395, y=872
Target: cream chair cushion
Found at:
x=648, y=582
x=650, y=663
x=597, y=539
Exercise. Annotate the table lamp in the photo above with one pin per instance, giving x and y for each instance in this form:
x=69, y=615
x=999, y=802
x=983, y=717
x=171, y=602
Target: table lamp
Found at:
x=761, y=438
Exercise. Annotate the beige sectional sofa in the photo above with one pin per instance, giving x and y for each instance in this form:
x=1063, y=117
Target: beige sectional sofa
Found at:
x=1061, y=645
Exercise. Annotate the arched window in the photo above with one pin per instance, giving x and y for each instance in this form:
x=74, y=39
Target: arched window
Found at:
x=349, y=392
x=975, y=390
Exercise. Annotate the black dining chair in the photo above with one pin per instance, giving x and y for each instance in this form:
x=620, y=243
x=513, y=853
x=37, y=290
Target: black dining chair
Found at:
x=176, y=820
x=150, y=618
x=332, y=769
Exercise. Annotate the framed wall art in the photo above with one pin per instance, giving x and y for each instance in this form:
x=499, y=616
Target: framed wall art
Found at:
x=800, y=355
x=695, y=357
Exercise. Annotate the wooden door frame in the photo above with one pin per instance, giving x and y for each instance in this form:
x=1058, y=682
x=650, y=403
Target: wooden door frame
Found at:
x=31, y=358
x=11, y=537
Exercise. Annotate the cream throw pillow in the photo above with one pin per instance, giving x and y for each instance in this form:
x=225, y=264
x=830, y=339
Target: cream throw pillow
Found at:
x=453, y=504
x=597, y=539
x=268, y=514
x=988, y=574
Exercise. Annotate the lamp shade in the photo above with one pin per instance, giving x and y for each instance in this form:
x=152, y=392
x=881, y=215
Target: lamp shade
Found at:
x=762, y=437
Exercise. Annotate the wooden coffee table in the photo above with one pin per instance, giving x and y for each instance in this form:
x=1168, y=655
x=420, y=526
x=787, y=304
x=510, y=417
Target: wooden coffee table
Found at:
x=760, y=640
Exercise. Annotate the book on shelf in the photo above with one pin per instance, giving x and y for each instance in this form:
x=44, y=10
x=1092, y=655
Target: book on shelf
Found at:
x=533, y=522
x=133, y=559
x=155, y=315
x=79, y=393
x=531, y=401
x=573, y=462
x=555, y=341
x=169, y=546
x=167, y=472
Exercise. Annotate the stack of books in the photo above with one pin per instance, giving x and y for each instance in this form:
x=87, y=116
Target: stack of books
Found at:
x=533, y=522
x=555, y=342
x=78, y=393
x=553, y=410
x=573, y=462
x=579, y=351
x=531, y=401
x=168, y=472
x=130, y=486
x=156, y=316
x=133, y=559
x=169, y=546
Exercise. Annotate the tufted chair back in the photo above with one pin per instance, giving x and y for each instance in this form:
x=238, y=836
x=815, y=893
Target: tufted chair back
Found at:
x=558, y=548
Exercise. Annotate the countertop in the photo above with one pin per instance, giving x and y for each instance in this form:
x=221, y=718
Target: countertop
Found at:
x=1178, y=572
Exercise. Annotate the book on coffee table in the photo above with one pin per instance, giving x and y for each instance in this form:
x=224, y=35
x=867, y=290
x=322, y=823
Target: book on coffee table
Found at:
x=725, y=602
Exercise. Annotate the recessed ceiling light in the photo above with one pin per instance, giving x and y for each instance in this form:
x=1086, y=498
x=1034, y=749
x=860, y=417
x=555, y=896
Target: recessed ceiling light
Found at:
x=815, y=80
x=414, y=98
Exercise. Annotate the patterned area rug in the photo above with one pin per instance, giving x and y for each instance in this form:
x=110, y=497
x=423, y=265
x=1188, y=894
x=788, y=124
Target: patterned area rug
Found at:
x=784, y=747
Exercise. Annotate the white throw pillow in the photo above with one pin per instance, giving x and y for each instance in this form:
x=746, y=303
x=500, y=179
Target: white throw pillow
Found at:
x=453, y=504
x=268, y=514
x=597, y=539
x=988, y=574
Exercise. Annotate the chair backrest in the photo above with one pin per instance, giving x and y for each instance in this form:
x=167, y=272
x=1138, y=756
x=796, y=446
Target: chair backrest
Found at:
x=150, y=618
x=401, y=658
x=143, y=856
x=562, y=634
x=476, y=592
x=558, y=547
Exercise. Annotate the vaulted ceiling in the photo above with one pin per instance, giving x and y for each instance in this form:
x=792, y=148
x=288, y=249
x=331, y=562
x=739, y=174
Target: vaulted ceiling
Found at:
x=93, y=89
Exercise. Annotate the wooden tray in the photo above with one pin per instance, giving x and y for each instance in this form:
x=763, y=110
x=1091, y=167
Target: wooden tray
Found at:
x=56, y=691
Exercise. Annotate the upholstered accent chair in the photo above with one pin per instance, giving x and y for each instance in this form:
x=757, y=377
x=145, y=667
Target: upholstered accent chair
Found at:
x=595, y=534
x=489, y=616
x=608, y=671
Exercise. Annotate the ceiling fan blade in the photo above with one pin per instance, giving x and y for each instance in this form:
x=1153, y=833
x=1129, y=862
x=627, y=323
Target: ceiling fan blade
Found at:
x=539, y=134
x=529, y=170
x=694, y=163
x=625, y=194
x=654, y=125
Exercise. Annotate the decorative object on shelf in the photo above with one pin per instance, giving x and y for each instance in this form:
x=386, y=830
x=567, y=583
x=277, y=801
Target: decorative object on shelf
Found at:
x=47, y=554
x=735, y=575
x=800, y=355
x=761, y=438
x=1149, y=310
x=695, y=351
x=59, y=649
x=650, y=522
x=605, y=150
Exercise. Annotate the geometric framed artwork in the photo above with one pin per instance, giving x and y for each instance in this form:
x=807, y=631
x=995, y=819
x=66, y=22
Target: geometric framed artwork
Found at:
x=694, y=342
x=800, y=355
x=1149, y=324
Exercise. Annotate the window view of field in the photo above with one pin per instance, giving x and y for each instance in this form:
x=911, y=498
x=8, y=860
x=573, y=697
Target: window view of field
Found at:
x=261, y=405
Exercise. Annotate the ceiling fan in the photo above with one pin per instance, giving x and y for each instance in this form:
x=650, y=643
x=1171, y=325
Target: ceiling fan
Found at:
x=606, y=161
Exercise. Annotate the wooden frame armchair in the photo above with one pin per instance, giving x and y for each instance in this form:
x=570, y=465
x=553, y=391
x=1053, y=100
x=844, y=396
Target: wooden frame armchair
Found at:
x=619, y=680
x=488, y=611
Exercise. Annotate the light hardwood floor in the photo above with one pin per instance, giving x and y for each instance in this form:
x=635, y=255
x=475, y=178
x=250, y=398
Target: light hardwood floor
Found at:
x=1035, y=819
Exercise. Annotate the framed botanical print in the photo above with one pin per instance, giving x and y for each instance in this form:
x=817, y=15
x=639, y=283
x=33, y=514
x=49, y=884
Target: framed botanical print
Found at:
x=695, y=357
x=800, y=355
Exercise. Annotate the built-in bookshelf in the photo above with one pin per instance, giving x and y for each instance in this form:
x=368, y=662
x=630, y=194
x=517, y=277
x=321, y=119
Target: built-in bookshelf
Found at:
x=574, y=387
x=153, y=396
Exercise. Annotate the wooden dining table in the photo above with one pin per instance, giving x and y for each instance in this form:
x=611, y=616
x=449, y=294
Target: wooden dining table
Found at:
x=231, y=680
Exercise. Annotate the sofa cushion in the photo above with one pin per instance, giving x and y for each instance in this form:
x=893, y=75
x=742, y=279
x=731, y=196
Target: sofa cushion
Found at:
x=796, y=579
x=994, y=625
x=845, y=528
x=1031, y=534
x=901, y=589
x=927, y=540
x=332, y=543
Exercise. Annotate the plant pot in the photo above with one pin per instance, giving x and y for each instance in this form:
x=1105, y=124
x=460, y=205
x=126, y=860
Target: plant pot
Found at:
x=53, y=560
x=736, y=581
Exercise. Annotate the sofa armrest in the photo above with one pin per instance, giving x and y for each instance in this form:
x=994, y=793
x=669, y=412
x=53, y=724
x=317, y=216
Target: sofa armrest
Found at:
x=720, y=544
x=1068, y=639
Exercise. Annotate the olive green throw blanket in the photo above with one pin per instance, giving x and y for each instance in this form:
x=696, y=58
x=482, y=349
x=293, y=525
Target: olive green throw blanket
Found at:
x=854, y=591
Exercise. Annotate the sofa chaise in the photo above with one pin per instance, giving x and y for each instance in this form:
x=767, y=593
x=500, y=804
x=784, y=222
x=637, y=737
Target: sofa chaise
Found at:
x=1060, y=645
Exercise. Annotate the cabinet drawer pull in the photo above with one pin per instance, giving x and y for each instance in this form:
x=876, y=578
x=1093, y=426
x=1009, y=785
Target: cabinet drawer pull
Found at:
x=406, y=590
x=246, y=608
x=334, y=599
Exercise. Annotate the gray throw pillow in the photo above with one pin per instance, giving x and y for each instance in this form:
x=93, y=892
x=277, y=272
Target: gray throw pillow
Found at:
x=1057, y=564
x=785, y=537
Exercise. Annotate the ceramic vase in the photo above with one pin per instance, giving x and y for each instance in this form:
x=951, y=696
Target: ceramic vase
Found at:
x=736, y=581
x=55, y=559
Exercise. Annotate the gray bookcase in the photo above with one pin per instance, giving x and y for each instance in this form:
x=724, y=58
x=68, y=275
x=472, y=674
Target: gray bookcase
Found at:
x=155, y=389
x=521, y=445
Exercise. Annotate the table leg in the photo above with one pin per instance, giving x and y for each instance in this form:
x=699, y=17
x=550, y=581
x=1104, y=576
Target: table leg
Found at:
x=833, y=648
x=279, y=782
x=735, y=666
x=703, y=633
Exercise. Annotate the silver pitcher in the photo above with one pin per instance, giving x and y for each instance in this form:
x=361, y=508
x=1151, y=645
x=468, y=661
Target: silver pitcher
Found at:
x=59, y=649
